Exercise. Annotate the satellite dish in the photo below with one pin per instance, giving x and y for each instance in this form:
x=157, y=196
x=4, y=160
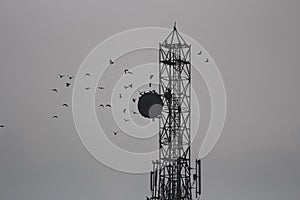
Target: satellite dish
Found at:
x=150, y=104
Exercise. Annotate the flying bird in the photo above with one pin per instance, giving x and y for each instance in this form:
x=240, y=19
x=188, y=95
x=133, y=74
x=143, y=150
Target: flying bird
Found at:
x=2, y=126
x=101, y=88
x=126, y=120
x=126, y=71
x=101, y=105
x=111, y=62
x=108, y=105
x=65, y=105
x=206, y=60
x=126, y=87
x=87, y=88
x=87, y=74
x=134, y=100
x=200, y=52
x=151, y=76
x=124, y=110
x=70, y=77
x=55, y=117
x=54, y=90
x=68, y=84
x=135, y=112
x=61, y=75
x=115, y=132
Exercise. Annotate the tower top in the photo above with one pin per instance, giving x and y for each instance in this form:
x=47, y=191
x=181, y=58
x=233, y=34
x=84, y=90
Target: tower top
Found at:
x=175, y=39
x=174, y=27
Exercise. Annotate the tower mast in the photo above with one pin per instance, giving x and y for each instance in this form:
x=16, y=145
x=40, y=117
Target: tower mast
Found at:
x=171, y=175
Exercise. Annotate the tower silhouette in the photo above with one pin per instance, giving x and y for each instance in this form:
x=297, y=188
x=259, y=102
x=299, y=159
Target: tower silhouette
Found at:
x=172, y=178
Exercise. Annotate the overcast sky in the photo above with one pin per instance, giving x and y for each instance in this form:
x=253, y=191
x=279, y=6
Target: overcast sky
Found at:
x=255, y=44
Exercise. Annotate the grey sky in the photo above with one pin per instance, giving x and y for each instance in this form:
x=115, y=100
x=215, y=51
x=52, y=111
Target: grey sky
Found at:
x=254, y=43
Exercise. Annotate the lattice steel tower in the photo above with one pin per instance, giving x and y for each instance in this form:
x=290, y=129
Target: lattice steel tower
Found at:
x=171, y=178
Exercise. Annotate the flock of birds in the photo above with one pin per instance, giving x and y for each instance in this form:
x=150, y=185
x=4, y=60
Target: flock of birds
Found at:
x=102, y=105
x=129, y=86
x=111, y=62
x=126, y=71
x=67, y=84
x=134, y=99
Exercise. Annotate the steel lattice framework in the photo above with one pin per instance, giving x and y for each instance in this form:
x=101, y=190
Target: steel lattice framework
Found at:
x=171, y=175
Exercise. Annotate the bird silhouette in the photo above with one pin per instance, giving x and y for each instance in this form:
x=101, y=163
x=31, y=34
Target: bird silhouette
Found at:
x=101, y=88
x=68, y=84
x=111, y=62
x=61, y=75
x=54, y=90
x=206, y=60
x=120, y=96
x=135, y=113
x=101, y=105
x=70, y=77
x=65, y=105
x=108, y=105
x=2, y=126
x=126, y=71
x=87, y=88
x=200, y=52
x=151, y=76
x=55, y=117
x=126, y=87
x=124, y=110
x=126, y=120
x=134, y=100
x=115, y=132
x=87, y=74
